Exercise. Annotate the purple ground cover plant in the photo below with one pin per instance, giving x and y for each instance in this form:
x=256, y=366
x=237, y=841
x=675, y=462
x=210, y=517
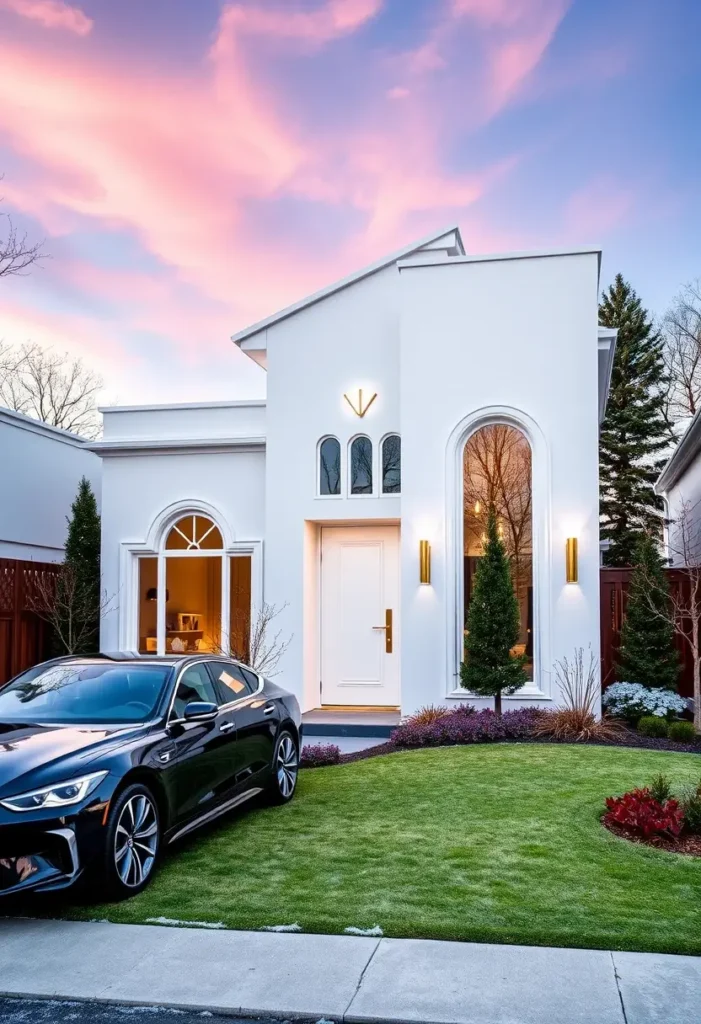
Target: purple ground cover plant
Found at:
x=461, y=727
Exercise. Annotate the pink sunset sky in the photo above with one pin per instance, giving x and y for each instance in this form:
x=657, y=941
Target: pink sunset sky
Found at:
x=196, y=165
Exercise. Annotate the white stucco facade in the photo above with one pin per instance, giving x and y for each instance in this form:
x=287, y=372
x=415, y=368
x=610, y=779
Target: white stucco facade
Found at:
x=679, y=485
x=40, y=469
x=445, y=343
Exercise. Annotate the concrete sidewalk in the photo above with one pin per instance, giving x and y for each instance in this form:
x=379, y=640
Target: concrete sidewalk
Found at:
x=343, y=977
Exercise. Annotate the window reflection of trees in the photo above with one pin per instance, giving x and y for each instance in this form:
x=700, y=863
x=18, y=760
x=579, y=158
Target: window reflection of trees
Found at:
x=361, y=466
x=498, y=472
x=392, y=464
x=330, y=466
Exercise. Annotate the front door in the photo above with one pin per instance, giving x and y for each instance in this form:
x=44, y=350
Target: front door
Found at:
x=360, y=616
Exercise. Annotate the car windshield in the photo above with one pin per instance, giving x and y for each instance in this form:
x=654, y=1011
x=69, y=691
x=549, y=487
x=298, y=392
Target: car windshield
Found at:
x=88, y=692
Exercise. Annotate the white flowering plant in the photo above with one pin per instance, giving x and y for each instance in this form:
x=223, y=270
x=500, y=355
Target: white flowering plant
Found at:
x=633, y=700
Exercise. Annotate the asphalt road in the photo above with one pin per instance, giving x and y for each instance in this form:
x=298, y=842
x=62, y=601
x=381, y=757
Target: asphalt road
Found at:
x=53, y=1011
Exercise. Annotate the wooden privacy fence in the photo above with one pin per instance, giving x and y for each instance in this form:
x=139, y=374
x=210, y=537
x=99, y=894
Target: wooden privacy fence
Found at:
x=25, y=638
x=614, y=598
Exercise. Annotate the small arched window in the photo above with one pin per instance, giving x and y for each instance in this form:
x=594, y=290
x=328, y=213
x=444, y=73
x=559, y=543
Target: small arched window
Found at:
x=194, y=533
x=330, y=466
x=361, y=466
x=392, y=464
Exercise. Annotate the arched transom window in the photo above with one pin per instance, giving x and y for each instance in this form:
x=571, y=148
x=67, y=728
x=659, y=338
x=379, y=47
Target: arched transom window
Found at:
x=194, y=533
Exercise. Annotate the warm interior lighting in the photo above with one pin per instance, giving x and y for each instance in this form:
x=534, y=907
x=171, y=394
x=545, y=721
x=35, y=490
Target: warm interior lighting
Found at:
x=571, y=567
x=424, y=562
x=152, y=594
x=477, y=508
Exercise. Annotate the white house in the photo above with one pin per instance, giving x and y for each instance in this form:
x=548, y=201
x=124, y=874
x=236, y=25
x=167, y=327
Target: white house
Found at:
x=40, y=468
x=679, y=485
x=353, y=499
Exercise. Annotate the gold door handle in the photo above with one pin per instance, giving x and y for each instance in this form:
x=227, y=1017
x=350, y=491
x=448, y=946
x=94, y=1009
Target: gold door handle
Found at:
x=388, y=630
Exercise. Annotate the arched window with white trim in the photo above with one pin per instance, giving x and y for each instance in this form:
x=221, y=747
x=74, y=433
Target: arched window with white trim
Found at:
x=329, y=467
x=361, y=465
x=194, y=594
x=392, y=464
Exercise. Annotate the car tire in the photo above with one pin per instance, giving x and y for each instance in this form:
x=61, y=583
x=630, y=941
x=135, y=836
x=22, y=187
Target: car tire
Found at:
x=132, y=843
x=284, y=770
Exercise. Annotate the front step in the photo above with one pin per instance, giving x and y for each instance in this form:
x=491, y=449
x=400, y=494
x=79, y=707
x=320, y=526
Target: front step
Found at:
x=341, y=722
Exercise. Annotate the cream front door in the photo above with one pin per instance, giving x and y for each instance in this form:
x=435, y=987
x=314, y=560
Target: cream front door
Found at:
x=360, y=615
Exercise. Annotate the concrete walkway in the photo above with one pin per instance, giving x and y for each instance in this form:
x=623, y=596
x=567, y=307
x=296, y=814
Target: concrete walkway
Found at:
x=344, y=977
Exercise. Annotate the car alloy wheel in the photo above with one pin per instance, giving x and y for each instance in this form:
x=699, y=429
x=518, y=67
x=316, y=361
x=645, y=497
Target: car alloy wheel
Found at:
x=136, y=841
x=287, y=766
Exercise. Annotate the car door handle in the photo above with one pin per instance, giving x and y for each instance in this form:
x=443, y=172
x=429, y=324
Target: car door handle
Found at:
x=227, y=726
x=268, y=709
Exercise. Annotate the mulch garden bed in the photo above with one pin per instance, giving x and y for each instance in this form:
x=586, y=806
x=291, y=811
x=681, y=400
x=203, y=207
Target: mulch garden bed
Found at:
x=688, y=845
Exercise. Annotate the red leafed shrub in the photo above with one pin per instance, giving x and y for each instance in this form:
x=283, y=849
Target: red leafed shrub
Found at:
x=639, y=812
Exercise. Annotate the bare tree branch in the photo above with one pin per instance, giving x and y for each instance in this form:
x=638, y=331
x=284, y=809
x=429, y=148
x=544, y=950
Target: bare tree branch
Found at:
x=51, y=387
x=682, y=350
x=17, y=253
x=69, y=605
x=252, y=639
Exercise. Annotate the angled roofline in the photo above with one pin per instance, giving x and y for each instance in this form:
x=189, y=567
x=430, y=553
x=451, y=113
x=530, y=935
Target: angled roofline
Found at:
x=687, y=449
x=241, y=336
x=34, y=426
x=527, y=254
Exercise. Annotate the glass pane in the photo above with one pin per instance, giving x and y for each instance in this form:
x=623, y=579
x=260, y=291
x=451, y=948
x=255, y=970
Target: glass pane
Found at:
x=330, y=466
x=193, y=532
x=361, y=466
x=497, y=471
x=230, y=681
x=148, y=605
x=392, y=465
x=240, y=601
x=193, y=609
x=195, y=685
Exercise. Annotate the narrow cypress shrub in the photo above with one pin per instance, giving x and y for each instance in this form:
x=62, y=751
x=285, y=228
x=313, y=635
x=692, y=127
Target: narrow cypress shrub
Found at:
x=489, y=668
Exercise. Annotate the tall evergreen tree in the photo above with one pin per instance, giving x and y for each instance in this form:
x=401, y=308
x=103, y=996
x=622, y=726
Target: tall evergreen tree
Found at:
x=633, y=434
x=80, y=580
x=647, y=653
x=489, y=668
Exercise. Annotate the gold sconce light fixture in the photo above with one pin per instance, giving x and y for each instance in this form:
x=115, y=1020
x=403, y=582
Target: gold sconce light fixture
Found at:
x=571, y=565
x=424, y=562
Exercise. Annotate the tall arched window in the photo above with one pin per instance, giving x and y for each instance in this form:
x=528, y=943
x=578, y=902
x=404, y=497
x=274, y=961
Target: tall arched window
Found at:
x=497, y=472
x=361, y=466
x=330, y=466
x=392, y=464
x=193, y=594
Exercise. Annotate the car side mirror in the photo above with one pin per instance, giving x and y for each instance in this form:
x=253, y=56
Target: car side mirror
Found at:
x=200, y=711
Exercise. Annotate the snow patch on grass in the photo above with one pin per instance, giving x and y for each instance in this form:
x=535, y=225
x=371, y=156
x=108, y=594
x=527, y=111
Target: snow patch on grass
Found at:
x=281, y=928
x=374, y=932
x=173, y=922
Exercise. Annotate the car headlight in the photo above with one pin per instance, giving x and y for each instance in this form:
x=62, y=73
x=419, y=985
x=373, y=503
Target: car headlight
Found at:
x=61, y=794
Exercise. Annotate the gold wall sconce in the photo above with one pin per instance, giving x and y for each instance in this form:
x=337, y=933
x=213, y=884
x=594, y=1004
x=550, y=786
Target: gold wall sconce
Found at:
x=360, y=408
x=571, y=563
x=424, y=562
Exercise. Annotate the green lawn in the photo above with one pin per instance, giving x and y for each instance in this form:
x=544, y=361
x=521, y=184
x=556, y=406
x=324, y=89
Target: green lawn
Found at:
x=494, y=843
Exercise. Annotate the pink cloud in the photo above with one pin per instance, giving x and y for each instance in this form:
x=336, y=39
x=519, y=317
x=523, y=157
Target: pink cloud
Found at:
x=51, y=14
x=597, y=208
x=330, y=21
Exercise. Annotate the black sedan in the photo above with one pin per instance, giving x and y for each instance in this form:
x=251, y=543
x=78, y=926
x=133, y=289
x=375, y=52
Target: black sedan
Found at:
x=106, y=760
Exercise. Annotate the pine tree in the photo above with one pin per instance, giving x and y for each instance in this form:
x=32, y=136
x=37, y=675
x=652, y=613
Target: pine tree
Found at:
x=492, y=625
x=633, y=434
x=647, y=653
x=80, y=578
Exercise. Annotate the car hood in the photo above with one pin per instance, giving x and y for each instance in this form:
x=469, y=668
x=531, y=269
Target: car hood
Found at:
x=39, y=750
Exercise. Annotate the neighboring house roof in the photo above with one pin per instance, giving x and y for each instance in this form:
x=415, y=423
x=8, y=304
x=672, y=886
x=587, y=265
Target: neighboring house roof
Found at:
x=23, y=422
x=452, y=245
x=607, y=350
x=683, y=455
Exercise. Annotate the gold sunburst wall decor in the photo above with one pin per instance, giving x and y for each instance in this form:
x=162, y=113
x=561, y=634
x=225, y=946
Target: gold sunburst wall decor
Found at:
x=358, y=404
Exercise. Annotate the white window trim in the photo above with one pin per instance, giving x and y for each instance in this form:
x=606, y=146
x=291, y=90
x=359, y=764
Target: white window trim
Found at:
x=540, y=686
